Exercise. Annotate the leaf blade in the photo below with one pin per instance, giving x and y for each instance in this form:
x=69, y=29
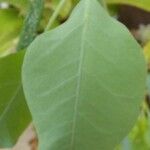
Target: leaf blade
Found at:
x=14, y=113
x=74, y=81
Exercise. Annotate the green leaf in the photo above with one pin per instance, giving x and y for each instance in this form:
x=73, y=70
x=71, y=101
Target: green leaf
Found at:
x=10, y=26
x=84, y=81
x=14, y=113
x=143, y=4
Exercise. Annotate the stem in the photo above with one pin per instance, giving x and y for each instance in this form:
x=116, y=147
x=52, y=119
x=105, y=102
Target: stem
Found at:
x=31, y=23
x=55, y=14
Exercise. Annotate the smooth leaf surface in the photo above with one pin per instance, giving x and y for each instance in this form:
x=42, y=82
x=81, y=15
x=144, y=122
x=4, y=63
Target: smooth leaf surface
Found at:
x=84, y=81
x=143, y=4
x=14, y=113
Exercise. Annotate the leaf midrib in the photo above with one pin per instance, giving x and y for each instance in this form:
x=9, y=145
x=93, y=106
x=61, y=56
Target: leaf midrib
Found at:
x=79, y=73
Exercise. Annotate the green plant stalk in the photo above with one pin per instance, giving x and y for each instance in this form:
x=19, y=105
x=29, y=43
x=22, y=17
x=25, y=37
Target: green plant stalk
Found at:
x=31, y=23
x=55, y=14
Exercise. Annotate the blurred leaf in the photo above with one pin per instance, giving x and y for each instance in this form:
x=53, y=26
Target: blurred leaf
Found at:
x=10, y=24
x=139, y=137
x=147, y=133
x=140, y=140
x=21, y=4
x=14, y=113
x=143, y=4
x=66, y=9
x=47, y=13
x=148, y=84
x=83, y=78
x=147, y=52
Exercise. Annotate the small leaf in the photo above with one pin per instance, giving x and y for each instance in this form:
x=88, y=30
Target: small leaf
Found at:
x=14, y=113
x=143, y=4
x=84, y=81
